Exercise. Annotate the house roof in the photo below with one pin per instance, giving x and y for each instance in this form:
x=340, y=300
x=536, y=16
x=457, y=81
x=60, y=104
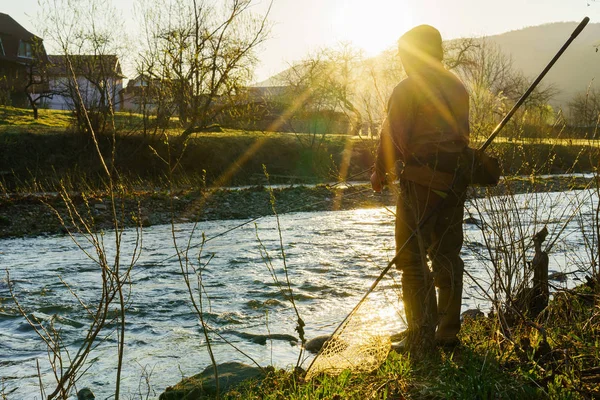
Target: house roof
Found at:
x=143, y=80
x=86, y=65
x=11, y=35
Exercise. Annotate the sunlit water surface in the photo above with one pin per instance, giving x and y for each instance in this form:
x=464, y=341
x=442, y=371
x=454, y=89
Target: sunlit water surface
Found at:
x=332, y=259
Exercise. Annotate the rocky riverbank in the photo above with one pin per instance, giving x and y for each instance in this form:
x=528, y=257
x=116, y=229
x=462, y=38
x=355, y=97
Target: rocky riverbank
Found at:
x=38, y=214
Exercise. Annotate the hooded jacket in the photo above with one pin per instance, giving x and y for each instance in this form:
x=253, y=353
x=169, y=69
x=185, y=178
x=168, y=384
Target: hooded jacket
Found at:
x=427, y=121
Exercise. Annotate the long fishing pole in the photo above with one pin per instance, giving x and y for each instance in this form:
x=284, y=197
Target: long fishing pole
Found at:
x=483, y=147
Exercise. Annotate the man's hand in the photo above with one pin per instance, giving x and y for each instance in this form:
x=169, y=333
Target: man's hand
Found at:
x=376, y=182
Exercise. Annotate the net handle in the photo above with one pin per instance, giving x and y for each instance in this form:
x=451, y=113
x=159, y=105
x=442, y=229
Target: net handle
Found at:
x=383, y=273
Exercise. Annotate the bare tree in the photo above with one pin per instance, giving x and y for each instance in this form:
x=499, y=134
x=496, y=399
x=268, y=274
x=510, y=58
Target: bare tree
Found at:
x=325, y=84
x=460, y=53
x=36, y=84
x=201, y=53
x=344, y=63
x=493, y=83
x=378, y=79
x=585, y=108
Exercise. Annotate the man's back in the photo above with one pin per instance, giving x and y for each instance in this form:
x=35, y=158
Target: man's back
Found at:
x=429, y=113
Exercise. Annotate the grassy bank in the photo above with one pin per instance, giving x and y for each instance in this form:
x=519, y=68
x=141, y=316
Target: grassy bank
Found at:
x=227, y=158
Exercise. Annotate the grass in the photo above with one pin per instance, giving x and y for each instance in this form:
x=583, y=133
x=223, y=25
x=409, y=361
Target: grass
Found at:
x=19, y=120
x=42, y=153
x=459, y=374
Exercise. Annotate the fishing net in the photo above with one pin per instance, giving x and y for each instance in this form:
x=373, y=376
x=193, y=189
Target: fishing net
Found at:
x=362, y=342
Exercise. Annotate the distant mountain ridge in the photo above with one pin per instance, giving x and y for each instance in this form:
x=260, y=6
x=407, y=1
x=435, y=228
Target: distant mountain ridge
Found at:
x=533, y=47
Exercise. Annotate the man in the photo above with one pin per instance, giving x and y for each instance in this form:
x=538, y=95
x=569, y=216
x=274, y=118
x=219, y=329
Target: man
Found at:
x=426, y=129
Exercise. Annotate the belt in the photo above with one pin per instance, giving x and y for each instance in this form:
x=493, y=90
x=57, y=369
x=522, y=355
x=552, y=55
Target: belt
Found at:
x=443, y=162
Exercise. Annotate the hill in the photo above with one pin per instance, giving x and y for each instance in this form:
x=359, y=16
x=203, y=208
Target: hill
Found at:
x=532, y=48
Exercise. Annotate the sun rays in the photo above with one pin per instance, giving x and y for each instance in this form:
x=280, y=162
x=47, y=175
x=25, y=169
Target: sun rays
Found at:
x=372, y=25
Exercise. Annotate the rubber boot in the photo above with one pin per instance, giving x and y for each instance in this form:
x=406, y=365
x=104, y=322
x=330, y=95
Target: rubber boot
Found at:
x=449, y=304
x=421, y=310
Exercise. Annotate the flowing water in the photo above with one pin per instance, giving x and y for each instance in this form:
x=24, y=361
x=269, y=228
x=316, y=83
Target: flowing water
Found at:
x=332, y=259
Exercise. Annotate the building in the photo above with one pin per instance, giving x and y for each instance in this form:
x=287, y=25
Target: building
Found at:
x=98, y=79
x=23, y=60
x=273, y=106
x=141, y=94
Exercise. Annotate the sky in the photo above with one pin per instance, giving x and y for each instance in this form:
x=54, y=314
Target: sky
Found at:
x=304, y=26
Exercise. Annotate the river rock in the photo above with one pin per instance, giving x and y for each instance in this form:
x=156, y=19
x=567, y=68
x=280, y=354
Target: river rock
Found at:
x=262, y=339
x=472, y=221
x=558, y=277
x=85, y=394
x=314, y=345
x=203, y=385
x=145, y=221
x=100, y=207
x=472, y=313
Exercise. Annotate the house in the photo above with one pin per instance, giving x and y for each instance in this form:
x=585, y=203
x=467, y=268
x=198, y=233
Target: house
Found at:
x=97, y=78
x=22, y=64
x=268, y=93
x=141, y=94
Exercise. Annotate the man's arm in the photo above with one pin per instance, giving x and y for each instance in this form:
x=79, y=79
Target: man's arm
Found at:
x=395, y=133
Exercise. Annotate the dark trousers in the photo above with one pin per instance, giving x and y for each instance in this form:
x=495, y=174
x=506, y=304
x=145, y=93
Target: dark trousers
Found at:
x=430, y=259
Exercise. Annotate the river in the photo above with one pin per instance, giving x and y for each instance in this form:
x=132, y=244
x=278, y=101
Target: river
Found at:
x=332, y=259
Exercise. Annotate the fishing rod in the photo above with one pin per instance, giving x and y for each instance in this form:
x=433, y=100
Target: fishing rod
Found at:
x=482, y=148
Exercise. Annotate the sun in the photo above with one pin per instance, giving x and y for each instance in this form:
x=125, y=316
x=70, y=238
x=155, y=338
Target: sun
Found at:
x=372, y=25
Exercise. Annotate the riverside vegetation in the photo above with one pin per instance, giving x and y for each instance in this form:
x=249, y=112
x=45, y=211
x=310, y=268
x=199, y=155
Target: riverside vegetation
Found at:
x=554, y=355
